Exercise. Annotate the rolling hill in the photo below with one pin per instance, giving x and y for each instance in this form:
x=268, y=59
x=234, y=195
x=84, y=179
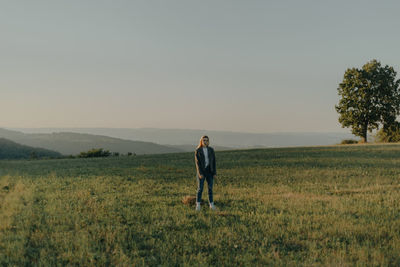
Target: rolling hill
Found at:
x=187, y=138
x=69, y=143
x=12, y=150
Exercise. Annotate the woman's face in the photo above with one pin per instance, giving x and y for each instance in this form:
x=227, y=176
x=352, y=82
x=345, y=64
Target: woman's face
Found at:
x=205, y=142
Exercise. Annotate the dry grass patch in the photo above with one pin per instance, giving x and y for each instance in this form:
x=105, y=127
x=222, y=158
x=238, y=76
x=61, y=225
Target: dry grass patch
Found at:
x=367, y=190
x=224, y=214
x=12, y=199
x=307, y=196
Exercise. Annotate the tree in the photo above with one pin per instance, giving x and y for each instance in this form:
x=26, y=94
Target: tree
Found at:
x=370, y=98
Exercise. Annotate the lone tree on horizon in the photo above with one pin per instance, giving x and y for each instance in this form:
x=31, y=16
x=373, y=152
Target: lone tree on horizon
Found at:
x=370, y=98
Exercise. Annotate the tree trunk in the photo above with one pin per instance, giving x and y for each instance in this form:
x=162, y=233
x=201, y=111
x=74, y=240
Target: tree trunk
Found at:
x=365, y=133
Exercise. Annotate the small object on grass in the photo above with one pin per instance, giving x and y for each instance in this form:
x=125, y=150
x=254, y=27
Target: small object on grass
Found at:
x=190, y=200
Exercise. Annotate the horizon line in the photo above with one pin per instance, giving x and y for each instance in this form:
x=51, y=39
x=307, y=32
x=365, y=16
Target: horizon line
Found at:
x=179, y=129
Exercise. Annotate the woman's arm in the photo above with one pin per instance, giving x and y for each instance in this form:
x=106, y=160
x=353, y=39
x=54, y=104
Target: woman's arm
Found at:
x=198, y=164
x=213, y=164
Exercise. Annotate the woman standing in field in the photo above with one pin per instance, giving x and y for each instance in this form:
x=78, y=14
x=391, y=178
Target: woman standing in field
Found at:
x=206, y=170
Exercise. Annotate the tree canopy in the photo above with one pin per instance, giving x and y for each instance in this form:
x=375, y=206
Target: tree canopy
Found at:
x=370, y=98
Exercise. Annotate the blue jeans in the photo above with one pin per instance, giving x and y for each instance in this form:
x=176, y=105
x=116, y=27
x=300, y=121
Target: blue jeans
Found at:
x=200, y=186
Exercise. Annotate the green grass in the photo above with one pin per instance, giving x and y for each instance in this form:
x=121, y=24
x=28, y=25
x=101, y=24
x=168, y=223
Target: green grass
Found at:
x=295, y=206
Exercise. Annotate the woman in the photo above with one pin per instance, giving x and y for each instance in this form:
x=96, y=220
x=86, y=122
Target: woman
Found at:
x=206, y=170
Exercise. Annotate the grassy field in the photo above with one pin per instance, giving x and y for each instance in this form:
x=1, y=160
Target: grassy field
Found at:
x=318, y=206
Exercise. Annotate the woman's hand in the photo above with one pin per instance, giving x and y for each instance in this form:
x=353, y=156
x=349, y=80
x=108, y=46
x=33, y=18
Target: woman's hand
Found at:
x=201, y=176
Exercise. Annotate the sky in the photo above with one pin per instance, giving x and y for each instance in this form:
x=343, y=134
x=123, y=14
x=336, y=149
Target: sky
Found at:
x=249, y=66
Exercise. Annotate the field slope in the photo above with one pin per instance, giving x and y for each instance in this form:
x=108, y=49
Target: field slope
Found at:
x=295, y=206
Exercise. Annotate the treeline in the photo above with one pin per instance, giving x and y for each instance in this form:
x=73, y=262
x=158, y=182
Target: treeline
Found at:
x=12, y=150
x=101, y=153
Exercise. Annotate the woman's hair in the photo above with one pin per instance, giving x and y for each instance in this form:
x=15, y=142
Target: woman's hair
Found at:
x=201, y=141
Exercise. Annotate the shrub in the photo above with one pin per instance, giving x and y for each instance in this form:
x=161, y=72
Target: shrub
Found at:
x=349, y=142
x=389, y=134
x=95, y=153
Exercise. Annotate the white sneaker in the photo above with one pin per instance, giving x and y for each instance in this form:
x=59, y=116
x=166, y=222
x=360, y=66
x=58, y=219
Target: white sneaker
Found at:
x=197, y=206
x=212, y=206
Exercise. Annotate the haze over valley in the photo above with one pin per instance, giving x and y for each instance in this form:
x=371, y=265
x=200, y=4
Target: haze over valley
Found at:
x=153, y=140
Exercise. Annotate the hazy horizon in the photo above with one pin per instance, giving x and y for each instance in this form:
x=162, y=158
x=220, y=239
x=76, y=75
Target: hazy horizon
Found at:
x=253, y=66
x=38, y=129
x=172, y=137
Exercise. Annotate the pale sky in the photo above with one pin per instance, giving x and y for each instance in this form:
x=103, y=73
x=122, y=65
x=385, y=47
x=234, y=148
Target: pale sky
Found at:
x=253, y=66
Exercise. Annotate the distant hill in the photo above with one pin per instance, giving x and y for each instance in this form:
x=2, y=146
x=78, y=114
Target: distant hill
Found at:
x=191, y=148
x=69, y=143
x=187, y=138
x=12, y=150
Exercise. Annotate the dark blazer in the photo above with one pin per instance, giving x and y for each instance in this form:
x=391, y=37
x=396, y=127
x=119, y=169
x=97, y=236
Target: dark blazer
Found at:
x=201, y=161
